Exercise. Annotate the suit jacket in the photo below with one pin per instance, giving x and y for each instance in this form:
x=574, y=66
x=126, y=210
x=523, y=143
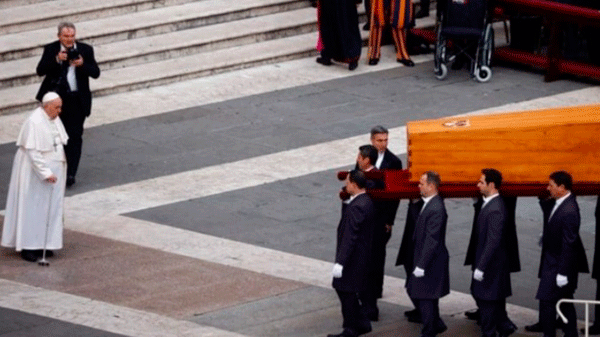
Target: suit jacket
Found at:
x=491, y=253
x=390, y=162
x=354, y=241
x=596, y=267
x=406, y=251
x=562, y=249
x=430, y=253
x=52, y=71
x=514, y=262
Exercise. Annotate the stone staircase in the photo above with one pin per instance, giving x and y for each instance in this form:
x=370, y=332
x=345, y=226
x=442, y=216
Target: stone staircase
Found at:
x=144, y=43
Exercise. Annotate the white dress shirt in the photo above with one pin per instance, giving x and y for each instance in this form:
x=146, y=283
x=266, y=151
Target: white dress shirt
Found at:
x=558, y=202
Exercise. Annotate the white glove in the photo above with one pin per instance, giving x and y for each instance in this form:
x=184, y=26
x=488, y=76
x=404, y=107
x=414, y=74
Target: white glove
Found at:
x=561, y=280
x=478, y=275
x=418, y=272
x=337, y=270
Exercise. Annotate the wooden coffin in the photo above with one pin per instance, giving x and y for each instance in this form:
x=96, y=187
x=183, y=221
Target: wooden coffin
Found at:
x=524, y=146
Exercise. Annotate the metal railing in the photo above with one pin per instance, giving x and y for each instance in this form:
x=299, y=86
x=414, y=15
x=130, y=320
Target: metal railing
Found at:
x=587, y=311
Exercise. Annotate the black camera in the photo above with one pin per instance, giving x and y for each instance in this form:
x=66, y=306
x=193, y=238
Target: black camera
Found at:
x=72, y=54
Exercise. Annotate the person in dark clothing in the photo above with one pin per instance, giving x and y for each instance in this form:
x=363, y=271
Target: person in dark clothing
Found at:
x=491, y=283
x=67, y=65
x=563, y=256
x=430, y=278
x=353, y=254
x=338, y=27
x=595, y=328
x=505, y=325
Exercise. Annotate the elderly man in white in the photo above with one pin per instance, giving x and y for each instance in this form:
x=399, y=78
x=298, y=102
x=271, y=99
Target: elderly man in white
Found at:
x=34, y=207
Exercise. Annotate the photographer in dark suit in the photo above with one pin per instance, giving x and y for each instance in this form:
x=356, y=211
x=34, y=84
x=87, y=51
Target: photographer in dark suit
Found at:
x=67, y=66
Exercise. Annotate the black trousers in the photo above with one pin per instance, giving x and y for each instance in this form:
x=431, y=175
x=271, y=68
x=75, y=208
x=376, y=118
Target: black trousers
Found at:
x=355, y=321
x=374, y=289
x=379, y=251
x=73, y=117
x=430, y=314
x=490, y=312
x=548, y=318
x=505, y=325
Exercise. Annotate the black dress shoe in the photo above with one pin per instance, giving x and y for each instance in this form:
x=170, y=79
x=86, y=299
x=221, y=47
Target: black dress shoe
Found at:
x=324, y=61
x=373, y=317
x=593, y=330
x=367, y=26
x=407, y=63
x=508, y=332
x=373, y=62
x=352, y=65
x=473, y=315
x=537, y=327
x=70, y=181
x=29, y=255
x=412, y=313
x=421, y=14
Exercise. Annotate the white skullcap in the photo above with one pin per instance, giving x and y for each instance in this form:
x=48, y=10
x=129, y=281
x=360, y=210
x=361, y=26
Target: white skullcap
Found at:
x=49, y=96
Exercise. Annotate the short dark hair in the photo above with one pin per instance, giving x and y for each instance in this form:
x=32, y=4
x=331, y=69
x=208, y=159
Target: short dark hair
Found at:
x=562, y=178
x=433, y=178
x=378, y=129
x=492, y=176
x=368, y=151
x=358, y=177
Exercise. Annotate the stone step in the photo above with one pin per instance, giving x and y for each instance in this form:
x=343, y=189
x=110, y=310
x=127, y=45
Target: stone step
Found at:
x=146, y=23
x=15, y=3
x=21, y=98
x=115, y=80
x=48, y=14
x=159, y=47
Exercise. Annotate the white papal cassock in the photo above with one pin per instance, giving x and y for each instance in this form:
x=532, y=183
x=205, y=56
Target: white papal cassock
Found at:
x=32, y=202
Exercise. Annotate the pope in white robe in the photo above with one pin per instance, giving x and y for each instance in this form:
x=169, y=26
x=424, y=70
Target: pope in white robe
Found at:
x=34, y=207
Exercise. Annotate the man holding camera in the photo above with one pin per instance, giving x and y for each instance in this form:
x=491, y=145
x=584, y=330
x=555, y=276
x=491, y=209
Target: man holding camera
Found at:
x=67, y=66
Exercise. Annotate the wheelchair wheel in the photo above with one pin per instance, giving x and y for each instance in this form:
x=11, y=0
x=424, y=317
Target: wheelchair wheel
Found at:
x=441, y=72
x=483, y=74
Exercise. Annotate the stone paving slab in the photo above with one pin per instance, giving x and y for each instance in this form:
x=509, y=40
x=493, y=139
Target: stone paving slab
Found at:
x=141, y=278
x=14, y=323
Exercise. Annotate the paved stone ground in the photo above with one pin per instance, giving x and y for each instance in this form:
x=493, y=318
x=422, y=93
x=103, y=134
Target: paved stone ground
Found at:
x=196, y=222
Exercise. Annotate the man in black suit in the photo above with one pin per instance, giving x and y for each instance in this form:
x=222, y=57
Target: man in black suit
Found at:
x=505, y=325
x=365, y=161
x=595, y=328
x=491, y=284
x=67, y=65
x=430, y=279
x=386, y=160
x=563, y=255
x=353, y=254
